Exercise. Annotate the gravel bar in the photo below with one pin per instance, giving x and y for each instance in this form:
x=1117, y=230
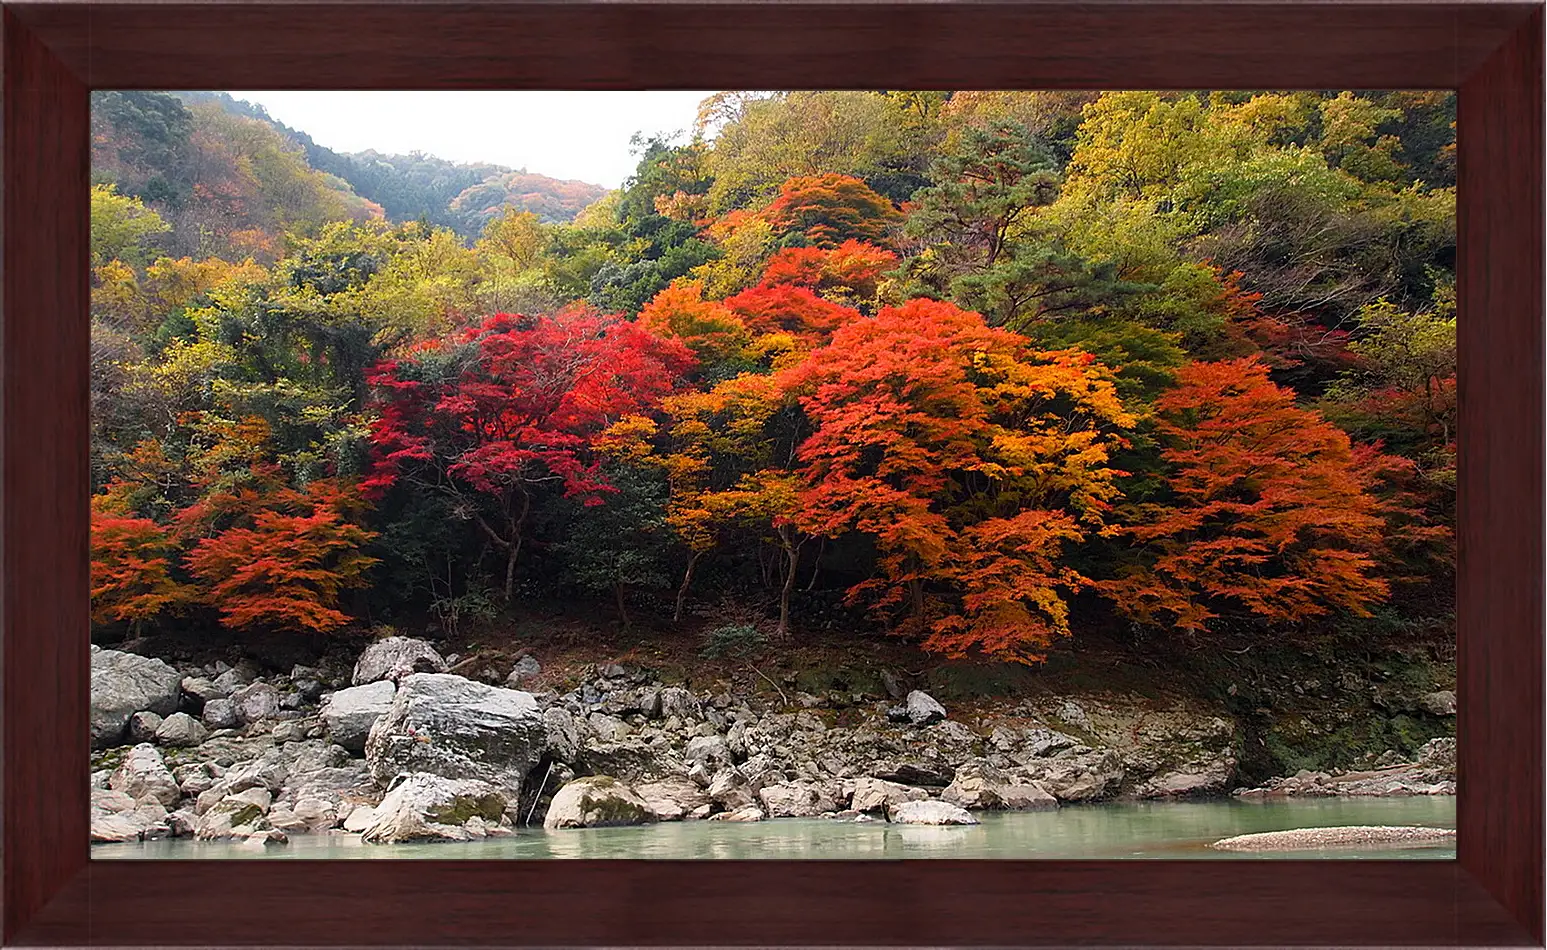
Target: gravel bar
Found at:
x=1310, y=839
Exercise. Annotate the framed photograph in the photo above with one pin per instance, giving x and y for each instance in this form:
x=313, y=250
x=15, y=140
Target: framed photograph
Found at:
x=1032, y=474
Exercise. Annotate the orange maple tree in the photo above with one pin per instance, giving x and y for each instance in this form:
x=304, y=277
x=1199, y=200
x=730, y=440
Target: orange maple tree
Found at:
x=831, y=209
x=706, y=327
x=286, y=569
x=727, y=454
x=790, y=309
x=1271, y=511
x=131, y=569
x=849, y=271
x=970, y=459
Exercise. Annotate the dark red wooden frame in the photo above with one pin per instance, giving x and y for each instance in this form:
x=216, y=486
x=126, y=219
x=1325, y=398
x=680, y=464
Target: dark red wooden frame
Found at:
x=54, y=53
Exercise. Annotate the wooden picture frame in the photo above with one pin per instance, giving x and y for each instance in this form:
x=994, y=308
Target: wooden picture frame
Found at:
x=56, y=52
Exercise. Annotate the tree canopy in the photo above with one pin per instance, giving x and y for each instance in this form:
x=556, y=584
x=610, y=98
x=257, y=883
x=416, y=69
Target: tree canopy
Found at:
x=988, y=369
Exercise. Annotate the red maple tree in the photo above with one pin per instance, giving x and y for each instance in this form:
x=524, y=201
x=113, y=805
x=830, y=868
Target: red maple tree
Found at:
x=512, y=406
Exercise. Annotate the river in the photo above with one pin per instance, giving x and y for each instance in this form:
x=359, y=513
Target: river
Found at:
x=1119, y=830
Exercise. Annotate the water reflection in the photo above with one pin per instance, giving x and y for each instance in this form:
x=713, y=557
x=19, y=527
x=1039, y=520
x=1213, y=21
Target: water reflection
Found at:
x=1149, y=830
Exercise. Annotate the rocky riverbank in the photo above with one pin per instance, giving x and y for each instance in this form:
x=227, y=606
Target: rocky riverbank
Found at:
x=406, y=744
x=1432, y=773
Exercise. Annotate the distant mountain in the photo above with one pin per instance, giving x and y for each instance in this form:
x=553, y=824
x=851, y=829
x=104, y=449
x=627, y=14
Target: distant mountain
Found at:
x=549, y=198
x=408, y=187
x=462, y=197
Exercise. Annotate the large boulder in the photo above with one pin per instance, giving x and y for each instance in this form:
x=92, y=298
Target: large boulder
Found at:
x=634, y=759
x=976, y=786
x=232, y=679
x=256, y=702
x=1027, y=796
x=1080, y=774
x=220, y=714
x=350, y=713
x=979, y=785
x=269, y=771
x=795, y=800
x=424, y=807
x=674, y=798
x=597, y=801
x=236, y=816
x=123, y=684
x=1195, y=780
x=450, y=726
x=879, y=795
x=919, y=709
x=923, y=709
x=143, y=726
x=928, y=774
x=358, y=818
x=931, y=812
x=194, y=778
x=563, y=734
x=394, y=658
x=200, y=690
x=115, y=816
x=143, y=775
x=181, y=729
x=1440, y=703
x=731, y=790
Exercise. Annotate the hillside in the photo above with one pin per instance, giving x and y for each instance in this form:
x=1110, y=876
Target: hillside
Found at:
x=463, y=197
x=1003, y=376
x=225, y=184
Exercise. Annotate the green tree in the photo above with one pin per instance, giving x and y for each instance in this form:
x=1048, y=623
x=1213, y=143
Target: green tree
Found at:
x=623, y=544
x=976, y=244
x=121, y=227
x=775, y=138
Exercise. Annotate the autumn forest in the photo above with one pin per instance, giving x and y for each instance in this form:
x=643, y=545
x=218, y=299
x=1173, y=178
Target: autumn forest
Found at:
x=986, y=371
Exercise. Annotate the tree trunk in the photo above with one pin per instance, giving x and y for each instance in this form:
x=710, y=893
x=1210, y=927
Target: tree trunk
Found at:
x=816, y=566
x=917, y=588
x=792, y=552
x=617, y=590
x=682, y=589
x=792, y=562
x=510, y=574
x=517, y=524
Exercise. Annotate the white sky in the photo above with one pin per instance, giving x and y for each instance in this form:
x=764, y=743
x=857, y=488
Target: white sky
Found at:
x=577, y=135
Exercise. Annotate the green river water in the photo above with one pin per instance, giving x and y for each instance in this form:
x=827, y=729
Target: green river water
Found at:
x=1141, y=830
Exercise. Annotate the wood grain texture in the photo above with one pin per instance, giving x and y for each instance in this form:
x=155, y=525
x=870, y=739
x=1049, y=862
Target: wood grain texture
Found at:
x=44, y=485
x=1499, y=503
x=770, y=45
x=771, y=903
x=54, y=895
